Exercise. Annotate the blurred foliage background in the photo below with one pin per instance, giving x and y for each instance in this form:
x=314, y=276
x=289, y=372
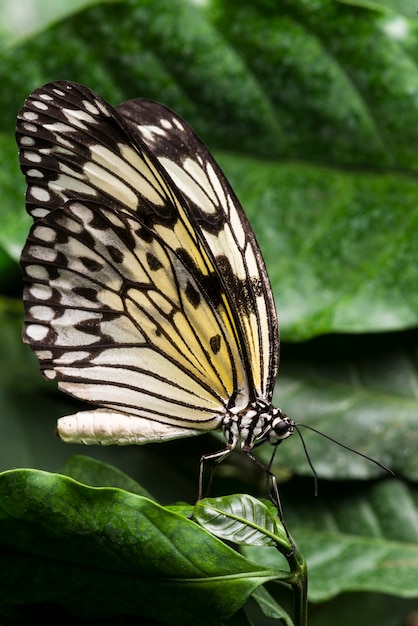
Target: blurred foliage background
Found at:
x=311, y=108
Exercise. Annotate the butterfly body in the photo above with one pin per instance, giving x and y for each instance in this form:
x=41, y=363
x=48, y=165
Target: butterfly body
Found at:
x=105, y=427
x=145, y=290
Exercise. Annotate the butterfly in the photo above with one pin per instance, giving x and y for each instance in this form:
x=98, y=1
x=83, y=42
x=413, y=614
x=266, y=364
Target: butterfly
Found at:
x=145, y=293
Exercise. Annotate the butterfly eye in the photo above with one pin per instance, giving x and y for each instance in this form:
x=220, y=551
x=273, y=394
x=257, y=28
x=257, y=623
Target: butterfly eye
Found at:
x=281, y=428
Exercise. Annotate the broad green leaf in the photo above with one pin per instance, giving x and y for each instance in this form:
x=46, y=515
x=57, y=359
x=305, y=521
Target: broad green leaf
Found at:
x=244, y=520
x=339, y=246
x=98, y=474
x=362, y=392
x=99, y=551
x=355, y=608
x=396, y=7
x=366, y=539
x=338, y=231
x=249, y=522
x=269, y=606
x=23, y=18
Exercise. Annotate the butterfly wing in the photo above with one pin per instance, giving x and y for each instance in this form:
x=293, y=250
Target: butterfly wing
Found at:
x=223, y=226
x=124, y=302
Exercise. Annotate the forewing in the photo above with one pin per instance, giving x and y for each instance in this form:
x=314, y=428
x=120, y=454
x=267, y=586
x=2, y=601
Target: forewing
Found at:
x=123, y=304
x=223, y=227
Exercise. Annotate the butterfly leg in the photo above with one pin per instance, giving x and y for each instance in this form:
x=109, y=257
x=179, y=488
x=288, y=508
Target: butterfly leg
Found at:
x=217, y=457
x=273, y=494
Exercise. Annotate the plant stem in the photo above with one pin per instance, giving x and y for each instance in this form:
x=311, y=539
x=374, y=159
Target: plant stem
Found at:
x=299, y=583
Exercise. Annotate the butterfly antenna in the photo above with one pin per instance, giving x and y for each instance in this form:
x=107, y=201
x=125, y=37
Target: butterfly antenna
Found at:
x=318, y=432
x=308, y=458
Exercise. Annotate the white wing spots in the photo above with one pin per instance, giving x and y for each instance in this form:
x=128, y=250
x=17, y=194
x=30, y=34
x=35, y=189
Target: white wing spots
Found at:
x=33, y=173
x=216, y=189
x=150, y=186
x=27, y=141
x=79, y=119
x=57, y=128
x=30, y=115
x=165, y=123
x=40, y=105
x=65, y=148
x=46, y=255
x=44, y=355
x=42, y=313
x=65, y=184
x=57, y=91
x=148, y=132
x=50, y=374
x=36, y=332
x=67, y=358
x=34, y=157
x=40, y=193
x=39, y=212
x=45, y=234
x=102, y=108
x=31, y=128
x=91, y=108
x=111, y=185
x=122, y=331
x=251, y=262
x=236, y=225
x=70, y=172
x=178, y=123
x=116, y=184
x=189, y=181
x=76, y=328
x=37, y=272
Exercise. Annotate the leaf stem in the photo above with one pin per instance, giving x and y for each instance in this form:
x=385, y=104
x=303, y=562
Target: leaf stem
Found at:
x=298, y=580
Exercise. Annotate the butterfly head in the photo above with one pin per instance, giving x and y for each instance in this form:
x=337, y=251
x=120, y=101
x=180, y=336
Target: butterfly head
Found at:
x=278, y=427
x=259, y=423
x=281, y=427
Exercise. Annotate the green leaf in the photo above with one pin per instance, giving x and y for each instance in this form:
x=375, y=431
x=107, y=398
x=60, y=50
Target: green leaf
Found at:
x=316, y=131
x=360, y=391
x=98, y=474
x=242, y=519
x=366, y=539
x=80, y=544
x=270, y=607
x=248, y=522
x=340, y=255
x=36, y=16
